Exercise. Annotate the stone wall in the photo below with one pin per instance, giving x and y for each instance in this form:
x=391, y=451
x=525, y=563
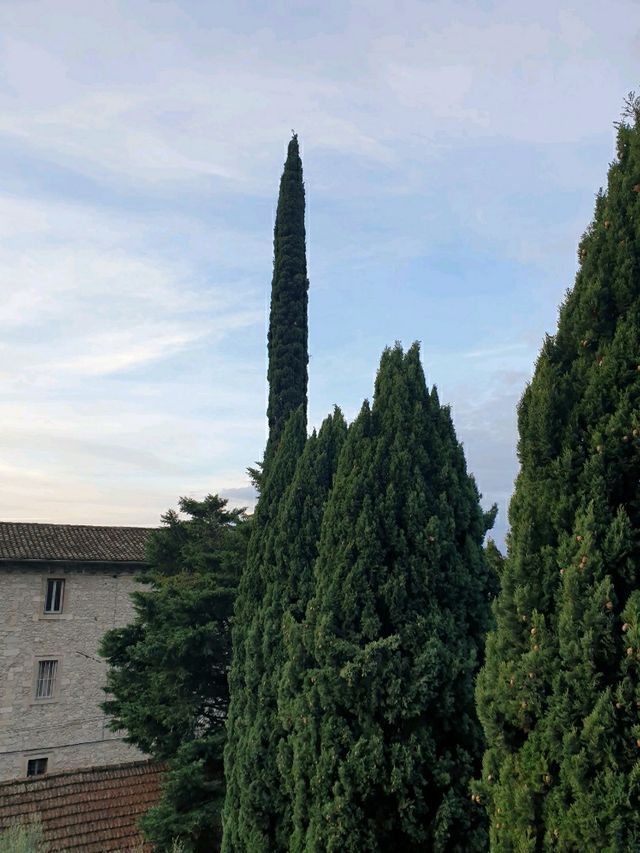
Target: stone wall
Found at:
x=70, y=729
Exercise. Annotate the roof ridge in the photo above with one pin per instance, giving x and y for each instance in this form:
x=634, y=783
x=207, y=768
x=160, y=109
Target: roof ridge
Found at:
x=74, y=542
x=86, y=526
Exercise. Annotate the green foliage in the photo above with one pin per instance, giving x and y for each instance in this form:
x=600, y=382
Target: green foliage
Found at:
x=288, y=325
x=168, y=669
x=254, y=813
x=191, y=801
x=251, y=809
x=560, y=691
x=297, y=532
x=384, y=734
x=23, y=838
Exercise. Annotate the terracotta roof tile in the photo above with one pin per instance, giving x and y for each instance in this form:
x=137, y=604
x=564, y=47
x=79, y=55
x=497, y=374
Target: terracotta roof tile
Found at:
x=72, y=542
x=94, y=810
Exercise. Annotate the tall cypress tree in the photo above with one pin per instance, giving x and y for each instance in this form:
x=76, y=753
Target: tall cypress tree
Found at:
x=298, y=531
x=258, y=817
x=251, y=809
x=386, y=720
x=288, y=324
x=252, y=812
x=560, y=690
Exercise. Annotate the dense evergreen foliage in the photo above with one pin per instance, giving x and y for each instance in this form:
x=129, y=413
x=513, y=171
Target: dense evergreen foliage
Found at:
x=560, y=691
x=298, y=530
x=168, y=669
x=386, y=738
x=288, y=324
x=363, y=601
x=252, y=804
x=255, y=804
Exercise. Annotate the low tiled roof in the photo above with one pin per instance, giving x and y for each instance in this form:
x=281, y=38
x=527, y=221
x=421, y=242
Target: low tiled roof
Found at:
x=92, y=811
x=72, y=542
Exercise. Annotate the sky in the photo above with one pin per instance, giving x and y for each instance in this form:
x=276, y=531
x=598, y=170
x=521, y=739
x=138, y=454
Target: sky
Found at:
x=451, y=151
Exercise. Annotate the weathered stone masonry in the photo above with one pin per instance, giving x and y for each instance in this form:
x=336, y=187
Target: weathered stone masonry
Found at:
x=98, y=566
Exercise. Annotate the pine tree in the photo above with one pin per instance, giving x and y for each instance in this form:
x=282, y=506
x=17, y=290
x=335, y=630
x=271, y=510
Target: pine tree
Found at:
x=168, y=668
x=560, y=690
x=288, y=332
x=386, y=722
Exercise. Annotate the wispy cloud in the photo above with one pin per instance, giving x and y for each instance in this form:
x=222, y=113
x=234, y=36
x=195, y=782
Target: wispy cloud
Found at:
x=451, y=154
x=95, y=317
x=179, y=96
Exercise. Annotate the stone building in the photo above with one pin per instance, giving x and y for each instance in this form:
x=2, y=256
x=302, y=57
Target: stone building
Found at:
x=61, y=587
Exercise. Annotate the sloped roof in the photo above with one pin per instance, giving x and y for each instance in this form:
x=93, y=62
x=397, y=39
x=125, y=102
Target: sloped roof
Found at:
x=80, y=542
x=93, y=811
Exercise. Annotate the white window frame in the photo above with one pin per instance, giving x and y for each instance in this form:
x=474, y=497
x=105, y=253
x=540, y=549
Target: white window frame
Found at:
x=43, y=700
x=31, y=758
x=63, y=613
x=53, y=580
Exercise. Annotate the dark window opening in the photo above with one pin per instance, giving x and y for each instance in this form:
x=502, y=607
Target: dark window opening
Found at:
x=54, y=595
x=37, y=766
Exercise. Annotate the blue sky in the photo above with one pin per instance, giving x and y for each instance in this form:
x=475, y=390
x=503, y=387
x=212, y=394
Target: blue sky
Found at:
x=451, y=150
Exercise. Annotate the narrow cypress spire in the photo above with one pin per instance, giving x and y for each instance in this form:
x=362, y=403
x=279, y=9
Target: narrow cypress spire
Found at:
x=254, y=810
x=288, y=325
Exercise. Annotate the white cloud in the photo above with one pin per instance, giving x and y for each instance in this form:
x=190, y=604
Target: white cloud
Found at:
x=132, y=323
x=160, y=104
x=87, y=298
x=107, y=302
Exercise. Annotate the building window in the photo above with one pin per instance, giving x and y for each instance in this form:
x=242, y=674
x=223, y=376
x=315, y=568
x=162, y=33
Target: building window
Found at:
x=37, y=766
x=54, y=595
x=46, y=680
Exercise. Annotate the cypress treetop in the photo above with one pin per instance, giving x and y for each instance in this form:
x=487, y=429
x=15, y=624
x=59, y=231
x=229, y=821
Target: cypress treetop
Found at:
x=560, y=690
x=288, y=324
x=254, y=808
x=395, y=630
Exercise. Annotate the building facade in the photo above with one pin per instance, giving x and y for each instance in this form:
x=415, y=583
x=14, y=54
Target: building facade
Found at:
x=61, y=588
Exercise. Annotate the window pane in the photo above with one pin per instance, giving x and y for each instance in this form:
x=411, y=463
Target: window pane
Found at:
x=45, y=683
x=57, y=598
x=54, y=595
x=37, y=766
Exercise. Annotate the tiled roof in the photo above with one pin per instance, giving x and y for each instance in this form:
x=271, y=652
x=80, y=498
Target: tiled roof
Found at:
x=72, y=542
x=89, y=811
